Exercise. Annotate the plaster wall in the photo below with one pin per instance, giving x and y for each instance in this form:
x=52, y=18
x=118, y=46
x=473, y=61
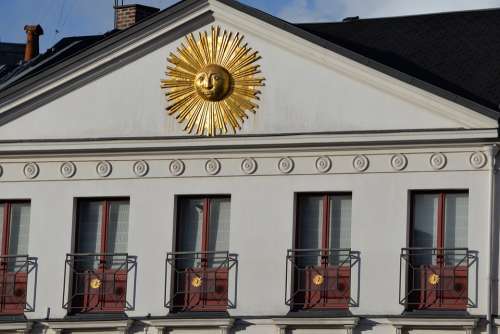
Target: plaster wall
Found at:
x=261, y=228
x=300, y=96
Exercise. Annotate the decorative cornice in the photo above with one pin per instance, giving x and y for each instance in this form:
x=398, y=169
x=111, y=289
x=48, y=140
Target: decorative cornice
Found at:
x=321, y=163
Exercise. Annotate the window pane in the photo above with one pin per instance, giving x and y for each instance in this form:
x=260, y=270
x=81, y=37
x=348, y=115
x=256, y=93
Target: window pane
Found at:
x=456, y=221
x=19, y=228
x=2, y=206
x=118, y=227
x=424, y=234
x=220, y=210
x=340, y=228
x=340, y=221
x=218, y=226
x=425, y=220
x=89, y=227
x=189, y=225
x=309, y=228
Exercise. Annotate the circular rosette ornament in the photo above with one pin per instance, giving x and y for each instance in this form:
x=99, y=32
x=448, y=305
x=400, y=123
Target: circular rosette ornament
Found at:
x=212, y=82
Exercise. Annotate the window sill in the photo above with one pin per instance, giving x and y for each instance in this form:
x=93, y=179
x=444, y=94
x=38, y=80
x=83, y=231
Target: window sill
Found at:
x=224, y=324
x=121, y=326
x=348, y=323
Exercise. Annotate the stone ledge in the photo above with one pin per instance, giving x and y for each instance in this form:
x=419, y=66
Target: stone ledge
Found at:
x=348, y=323
x=16, y=327
x=60, y=326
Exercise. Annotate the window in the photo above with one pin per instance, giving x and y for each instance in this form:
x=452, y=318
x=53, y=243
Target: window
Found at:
x=323, y=222
x=15, y=227
x=438, y=254
x=14, y=265
x=203, y=226
x=322, y=255
x=100, y=259
x=439, y=220
x=202, y=259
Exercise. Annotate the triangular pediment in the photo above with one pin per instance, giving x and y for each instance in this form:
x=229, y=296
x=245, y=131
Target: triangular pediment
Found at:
x=309, y=88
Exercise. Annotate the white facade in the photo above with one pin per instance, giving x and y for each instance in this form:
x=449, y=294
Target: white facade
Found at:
x=316, y=103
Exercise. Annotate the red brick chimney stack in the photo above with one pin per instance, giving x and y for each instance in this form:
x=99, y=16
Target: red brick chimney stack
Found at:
x=128, y=15
x=32, y=48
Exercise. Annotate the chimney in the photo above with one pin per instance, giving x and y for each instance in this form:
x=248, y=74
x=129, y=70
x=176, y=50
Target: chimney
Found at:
x=32, y=41
x=128, y=15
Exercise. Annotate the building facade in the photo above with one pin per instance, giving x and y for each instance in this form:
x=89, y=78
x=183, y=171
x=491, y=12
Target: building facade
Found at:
x=253, y=177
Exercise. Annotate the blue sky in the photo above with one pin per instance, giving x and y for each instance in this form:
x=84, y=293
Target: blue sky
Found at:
x=61, y=18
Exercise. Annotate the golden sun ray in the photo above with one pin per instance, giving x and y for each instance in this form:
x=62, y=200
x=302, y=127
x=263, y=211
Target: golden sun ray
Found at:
x=212, y=82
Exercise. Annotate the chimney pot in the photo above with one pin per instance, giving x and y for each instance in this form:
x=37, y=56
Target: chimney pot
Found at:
x=32, y=48
x=128, y=15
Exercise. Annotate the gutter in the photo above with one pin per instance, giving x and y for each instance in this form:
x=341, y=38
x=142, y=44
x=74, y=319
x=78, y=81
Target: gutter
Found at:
x=493, y=150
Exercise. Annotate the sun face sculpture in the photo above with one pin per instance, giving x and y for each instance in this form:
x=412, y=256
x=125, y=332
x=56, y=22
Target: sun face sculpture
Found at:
x=212, y=82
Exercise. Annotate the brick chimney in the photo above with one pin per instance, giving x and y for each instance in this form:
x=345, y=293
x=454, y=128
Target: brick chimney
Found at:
x=32, y=41
x=128, y=15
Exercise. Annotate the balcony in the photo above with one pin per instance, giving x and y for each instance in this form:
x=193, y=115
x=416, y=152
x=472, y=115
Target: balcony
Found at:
x=14, y=273
x=201, y=281
x=322, y=279
x=99, y=283
x=438, y=279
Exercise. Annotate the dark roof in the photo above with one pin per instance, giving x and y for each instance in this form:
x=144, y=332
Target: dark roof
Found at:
x=11, y=53
x=62, y=50
x=455, y=51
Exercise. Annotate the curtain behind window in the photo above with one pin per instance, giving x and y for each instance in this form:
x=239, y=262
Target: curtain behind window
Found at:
x=189, y=225
x=456, y=221
x=117, y=238
x=19, y=228
x=340, y=228
x=309, y=229
x=424, y=233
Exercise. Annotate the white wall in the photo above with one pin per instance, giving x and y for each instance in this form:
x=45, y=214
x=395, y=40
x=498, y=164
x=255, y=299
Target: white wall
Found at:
x=261, y=220
x=300, y=95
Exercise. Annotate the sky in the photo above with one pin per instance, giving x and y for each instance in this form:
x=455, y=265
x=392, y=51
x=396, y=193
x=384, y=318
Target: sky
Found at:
x=62, y=18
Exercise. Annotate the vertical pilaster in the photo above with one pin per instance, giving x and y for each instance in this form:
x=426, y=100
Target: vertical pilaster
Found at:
x=469, y=330
x=280, y=329
x=224, y=329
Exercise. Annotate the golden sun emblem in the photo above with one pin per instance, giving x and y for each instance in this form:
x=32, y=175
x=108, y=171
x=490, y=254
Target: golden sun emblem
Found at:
x=318, y=279
x=213, y=82
x=196, y=282
x=95, y=283
x=433, y=279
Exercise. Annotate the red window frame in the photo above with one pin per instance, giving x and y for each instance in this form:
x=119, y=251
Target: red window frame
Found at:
x=325, y=225
x=7, y=205
x=110, y=296
x=441, y=219
x=15, y=303
x=105, y=202
x=337, y=278
x=194, y=298
x=205, y=230
x=430, y=296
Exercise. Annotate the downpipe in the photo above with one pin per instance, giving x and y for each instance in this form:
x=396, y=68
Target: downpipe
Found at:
x=493, y=150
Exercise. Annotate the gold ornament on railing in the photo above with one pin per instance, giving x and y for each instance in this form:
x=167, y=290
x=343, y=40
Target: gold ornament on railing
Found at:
x=433, y=279
x=95, y=283
x=196, y=282
x=212, y=84
x=318, y=279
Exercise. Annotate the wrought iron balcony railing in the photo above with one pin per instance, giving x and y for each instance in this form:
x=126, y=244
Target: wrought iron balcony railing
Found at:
x=201, y=281
x=438, y=278
x=14, y=286
x=322, y=278
x=99, y=282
